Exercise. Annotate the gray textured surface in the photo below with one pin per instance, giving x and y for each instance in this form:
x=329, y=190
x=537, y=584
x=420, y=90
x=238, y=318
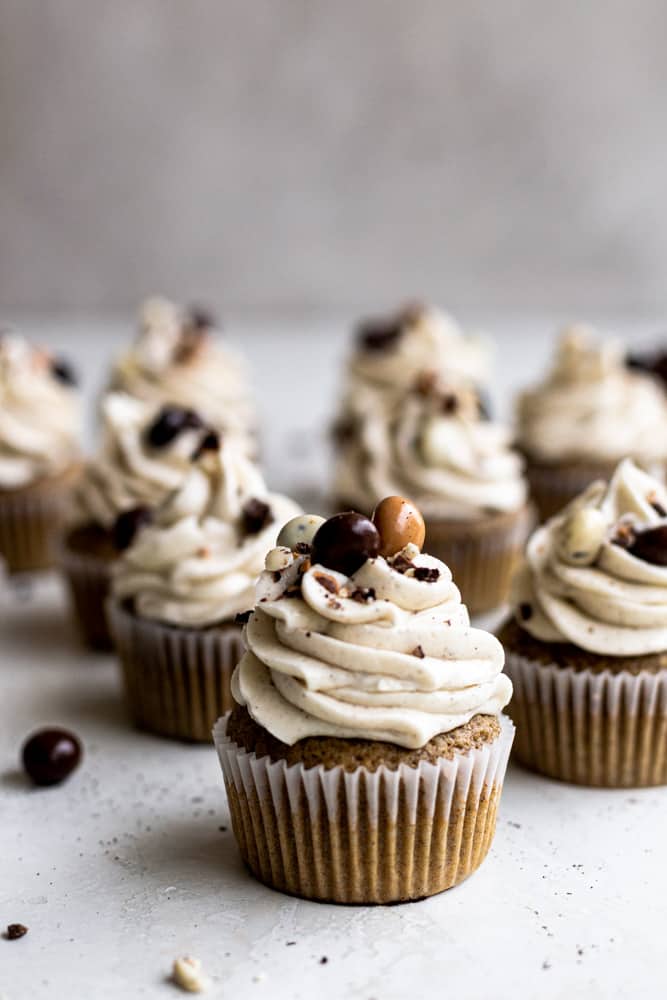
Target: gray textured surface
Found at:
x=332, y=155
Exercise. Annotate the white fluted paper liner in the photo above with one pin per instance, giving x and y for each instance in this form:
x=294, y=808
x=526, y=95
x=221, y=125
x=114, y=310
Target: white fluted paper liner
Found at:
x=602, y=729
x=89, y=580
x=365, y=836
x=481, y=555
x=177, y=680
x=31, y=522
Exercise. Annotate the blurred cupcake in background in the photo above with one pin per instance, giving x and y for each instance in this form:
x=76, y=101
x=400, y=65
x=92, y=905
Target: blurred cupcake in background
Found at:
x=365, y=759
x=430, y=440
x=145, y=454
x=591, y=411
x=181, y=582
x=177, y=359
x=40, y=427
x=586, y=648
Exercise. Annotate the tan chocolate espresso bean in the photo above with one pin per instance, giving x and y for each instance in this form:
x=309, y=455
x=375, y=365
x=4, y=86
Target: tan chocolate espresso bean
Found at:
x=399, y=523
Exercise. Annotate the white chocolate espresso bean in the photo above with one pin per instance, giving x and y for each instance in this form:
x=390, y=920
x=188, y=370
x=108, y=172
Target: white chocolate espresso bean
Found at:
x=581, y=536
x=300, y=529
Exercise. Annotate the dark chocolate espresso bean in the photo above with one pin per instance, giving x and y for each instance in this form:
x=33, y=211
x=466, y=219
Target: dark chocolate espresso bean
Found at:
x=169, y=423
x=64, y=372
x=345, y=542
x=651, y=545
x=127, y=525
x=50, y=755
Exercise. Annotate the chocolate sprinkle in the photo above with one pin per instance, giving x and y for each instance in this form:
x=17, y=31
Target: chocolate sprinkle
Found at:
x=427, y=574
x=379, y=335
x=210, y=442
x=127, y=525
x=419, y=652
x=255, y=516
x=401, y=564
x=243, y=617
x=63, y=372
x=450, y=404
x=169, y=423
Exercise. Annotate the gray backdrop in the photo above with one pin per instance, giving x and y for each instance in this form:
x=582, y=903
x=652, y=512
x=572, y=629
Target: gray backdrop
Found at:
x=335, y=154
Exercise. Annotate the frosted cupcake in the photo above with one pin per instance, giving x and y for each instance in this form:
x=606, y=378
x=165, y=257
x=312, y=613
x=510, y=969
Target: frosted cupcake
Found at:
x=589, y=413
x=180, y=584
x=177, y=359
x=145, y=455
x=587, y=648
x=431, y=442
x=39, y=452
x=365, y=760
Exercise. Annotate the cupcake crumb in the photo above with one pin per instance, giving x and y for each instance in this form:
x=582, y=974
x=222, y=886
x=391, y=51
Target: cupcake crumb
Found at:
x=15, y=931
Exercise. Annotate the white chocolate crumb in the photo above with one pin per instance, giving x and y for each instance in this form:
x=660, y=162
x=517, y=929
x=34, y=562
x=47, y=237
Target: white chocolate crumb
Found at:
x=187, y=974
x=278, y=559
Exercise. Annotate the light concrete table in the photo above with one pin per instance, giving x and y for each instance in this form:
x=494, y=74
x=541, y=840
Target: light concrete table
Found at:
x=132, y=862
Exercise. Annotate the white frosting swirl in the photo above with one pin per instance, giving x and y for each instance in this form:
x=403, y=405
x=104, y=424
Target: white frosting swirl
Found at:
x=592, y=407
x=431, y=446
x=39, y=416
x=429, y=340
x=400, y=663
x=128, y=472
x=615, y=604
x=172, y=362
x=196, y=565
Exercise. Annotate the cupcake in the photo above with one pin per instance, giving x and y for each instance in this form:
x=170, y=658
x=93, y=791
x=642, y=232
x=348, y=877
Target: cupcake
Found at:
x=365, y=757
x=39, y=452
x=587, y=646
x=181, y=582
x=589, y=413
x=178, y=360
x=145, y=455
x=430, y=440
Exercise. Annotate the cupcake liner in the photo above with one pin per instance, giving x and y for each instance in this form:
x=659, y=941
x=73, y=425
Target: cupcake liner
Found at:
x=88, y=579
x=364, y=836
x=482, y=555
x=31, y=522
x=177, y=680
x=601, y=729
x=554, y=486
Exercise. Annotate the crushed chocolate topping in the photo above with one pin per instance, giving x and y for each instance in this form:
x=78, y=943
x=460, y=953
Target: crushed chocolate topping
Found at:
x=363, y=595
x=525, y=611
x=401, y=564
x=64, y=372
x=427, y=574
x=624, y=535
x=426, y=383
x=127, y=525
x=243, y=617
x=344, y=431
x=449, y=404
x=201, y=318
x=210, y=442
x=302, y=548
x=419, y=652
x=255, y=516
x=327, y=582
x=15, y=931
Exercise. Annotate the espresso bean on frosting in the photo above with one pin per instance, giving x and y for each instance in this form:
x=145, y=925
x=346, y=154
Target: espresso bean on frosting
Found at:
x=299, y=530
x=399, y=523
x=345, y=542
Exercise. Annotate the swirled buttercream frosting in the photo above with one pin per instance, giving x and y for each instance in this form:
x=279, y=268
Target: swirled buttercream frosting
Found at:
x=592, y=406
x=386, y=653
x=596, y=575
x=430, y=443
x=196, y=564
x=39, y=414
x=145, y=455
x=177, y=359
